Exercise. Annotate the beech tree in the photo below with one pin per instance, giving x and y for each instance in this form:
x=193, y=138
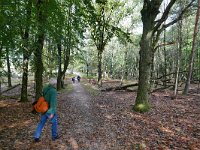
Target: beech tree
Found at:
x=41, y=7
x=152, y=28
x=104, y=21
x=7, y=36
x=25, y=29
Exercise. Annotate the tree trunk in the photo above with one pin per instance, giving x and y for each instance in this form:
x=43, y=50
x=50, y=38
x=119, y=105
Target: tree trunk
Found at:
x=24, y=96
x=152, y=29
x=124, y=87
x=141, y=103
x=149, y=13
x=165, y=60
x=126, y=64
x=1, y=55
x=192, y=55
x=198, y=71
x=26, y=55
x=1, y=47
x=111, y=65
x=87, y=69
x=8, y=68
x=39, y=48
x=99, y=67
x=61, y=73
x=179, y=53
x=152, y=81
x=39, y=66
x=0, y=87
x=59, y=66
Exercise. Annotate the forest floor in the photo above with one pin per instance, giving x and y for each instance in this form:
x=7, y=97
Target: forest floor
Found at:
x=93, y=120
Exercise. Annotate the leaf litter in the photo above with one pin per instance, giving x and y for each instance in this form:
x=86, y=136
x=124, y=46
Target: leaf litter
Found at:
x=105, y=122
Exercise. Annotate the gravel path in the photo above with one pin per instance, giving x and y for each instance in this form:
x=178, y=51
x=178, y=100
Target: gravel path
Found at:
x=81, y=122
x=78, y=108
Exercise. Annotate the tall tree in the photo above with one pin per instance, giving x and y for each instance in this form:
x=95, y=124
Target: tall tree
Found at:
x=26, y=51
x=98, y=35
x=66, y=51
x=152, y=28
x=178, y=57
x=41, y=6
x=104, y=27
x=7, y=34
x=192, y=55
x=8, y=67
x=70, y=30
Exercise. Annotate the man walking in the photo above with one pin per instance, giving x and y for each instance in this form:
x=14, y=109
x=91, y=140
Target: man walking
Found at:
x=49, y=93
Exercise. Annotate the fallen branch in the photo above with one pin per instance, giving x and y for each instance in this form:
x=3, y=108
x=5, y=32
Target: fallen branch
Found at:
x=120, y=87
x=162, y=88
x=10, y=88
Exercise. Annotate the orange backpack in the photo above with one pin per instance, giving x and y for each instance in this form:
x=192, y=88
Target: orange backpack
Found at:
x=41, y=105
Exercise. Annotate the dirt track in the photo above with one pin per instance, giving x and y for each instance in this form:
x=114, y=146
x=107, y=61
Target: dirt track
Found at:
x=105, y=122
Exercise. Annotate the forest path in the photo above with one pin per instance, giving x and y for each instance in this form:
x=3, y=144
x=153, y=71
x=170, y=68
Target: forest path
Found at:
x=78, y=120
x=93, y=120
x=80, y=123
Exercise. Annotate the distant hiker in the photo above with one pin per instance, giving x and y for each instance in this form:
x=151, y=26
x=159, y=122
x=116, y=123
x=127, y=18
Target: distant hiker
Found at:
x=78, y=78
x=49, y=93
x=73, y=79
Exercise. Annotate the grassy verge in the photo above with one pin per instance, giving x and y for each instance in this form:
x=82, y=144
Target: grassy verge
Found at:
x=68, y=89
x=90, y=89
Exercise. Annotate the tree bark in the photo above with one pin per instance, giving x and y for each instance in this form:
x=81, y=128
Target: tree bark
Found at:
x=99, y=67
x=87, y=69
x=61, y=73
x=59, y=66
x=165, y=60
x=24, y=95
x=151, y=32
x=26, y=55
x=8, y=67
x=149, y=13
x=39, y=48
x=179, y=53
x=124, y=87
x=126, y=64
x=192, y=55
x=1, y=47
x=0, y=87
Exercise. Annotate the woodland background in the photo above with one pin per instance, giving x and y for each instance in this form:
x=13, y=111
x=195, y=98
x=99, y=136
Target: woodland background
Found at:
x=133, y=57
x=153, y=44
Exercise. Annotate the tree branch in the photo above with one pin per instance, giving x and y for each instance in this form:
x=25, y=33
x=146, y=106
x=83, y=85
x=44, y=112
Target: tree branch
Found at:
x=179, y=17
x=165, y=15
x=164, y=44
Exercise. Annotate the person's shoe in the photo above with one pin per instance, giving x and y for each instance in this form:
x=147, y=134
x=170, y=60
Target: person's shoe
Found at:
x=55, y=138
x=36, y=140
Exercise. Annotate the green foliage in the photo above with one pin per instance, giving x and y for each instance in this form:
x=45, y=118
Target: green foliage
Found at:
x=71, y=22
x=124, y=37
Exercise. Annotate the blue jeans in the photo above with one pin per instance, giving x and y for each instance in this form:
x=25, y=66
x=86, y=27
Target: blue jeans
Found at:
x=42, y=122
